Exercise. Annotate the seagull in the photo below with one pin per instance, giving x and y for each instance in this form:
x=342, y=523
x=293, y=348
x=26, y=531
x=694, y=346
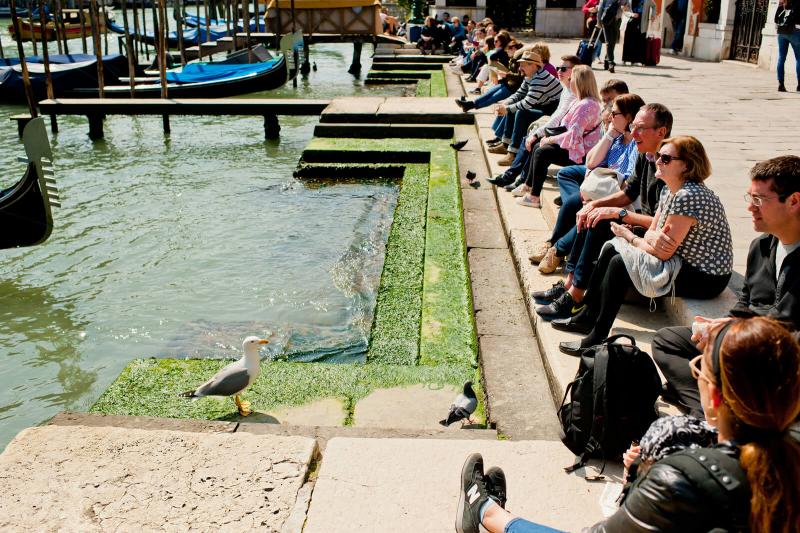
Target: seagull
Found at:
x=235, y=377
x=459, y=145
x=463, y=406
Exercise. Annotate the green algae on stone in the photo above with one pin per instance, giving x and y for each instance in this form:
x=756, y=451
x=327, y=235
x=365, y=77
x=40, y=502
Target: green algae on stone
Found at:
x=152, y=387
x=423, y=88
x=448, y=332
x=438, y=87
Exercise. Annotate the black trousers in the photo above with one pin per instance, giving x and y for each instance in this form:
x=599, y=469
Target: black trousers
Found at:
x=541, y=159
x=672, y=350
x=610, y=281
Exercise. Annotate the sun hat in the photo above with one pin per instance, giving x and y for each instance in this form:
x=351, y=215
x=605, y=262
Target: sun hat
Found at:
x=531, y=57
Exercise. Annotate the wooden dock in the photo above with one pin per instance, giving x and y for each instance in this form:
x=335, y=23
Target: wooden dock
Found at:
x=97, y=108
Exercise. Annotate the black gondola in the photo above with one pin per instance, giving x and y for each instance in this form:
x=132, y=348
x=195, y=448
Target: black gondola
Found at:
x=26, y=218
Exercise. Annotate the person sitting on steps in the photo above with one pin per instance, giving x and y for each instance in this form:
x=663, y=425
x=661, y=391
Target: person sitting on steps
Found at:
x=537, y=96
x=772, y=278
x=564, y=71
x=749, y=382
x=580, y=130
x=692, y=216
x=651, y=126
x=615, y=151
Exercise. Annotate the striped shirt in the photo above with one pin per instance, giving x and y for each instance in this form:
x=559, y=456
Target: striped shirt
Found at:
x=541, y=89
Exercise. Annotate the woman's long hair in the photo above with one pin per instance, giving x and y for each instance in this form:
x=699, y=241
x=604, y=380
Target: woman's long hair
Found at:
x=585, y=83
x=760, y=372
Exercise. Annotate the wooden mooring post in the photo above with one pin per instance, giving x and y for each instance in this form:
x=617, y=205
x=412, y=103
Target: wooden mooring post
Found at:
x=46, y=57
x=272, y=128
x=355, y=66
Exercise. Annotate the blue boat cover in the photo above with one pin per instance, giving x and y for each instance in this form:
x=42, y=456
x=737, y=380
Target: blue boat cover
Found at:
x=194, y=21
x=190, y=37
x=201, y=72
x=55, y=59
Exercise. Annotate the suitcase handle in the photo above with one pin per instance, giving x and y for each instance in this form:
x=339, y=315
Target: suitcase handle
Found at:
x=595, y=35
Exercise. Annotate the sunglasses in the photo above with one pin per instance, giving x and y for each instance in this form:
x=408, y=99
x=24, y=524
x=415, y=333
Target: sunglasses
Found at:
x=563, y=69
x=666, y=158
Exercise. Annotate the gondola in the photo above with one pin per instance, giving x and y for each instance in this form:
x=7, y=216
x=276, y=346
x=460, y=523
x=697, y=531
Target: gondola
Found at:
x=206, y=80
x=193, y=21
x=191, y=36
x=73, y=29
x=26, y=207
x=66, y=77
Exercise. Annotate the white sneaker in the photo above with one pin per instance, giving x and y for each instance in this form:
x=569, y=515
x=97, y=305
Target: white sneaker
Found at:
x=529, y=201
x=521, y=190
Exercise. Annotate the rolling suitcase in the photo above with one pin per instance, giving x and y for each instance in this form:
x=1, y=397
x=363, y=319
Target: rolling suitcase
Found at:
x=652, y=56
x=586, y=48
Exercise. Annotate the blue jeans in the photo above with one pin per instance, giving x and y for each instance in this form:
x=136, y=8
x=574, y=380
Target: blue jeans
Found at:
x=784, y=40
x=520, y=525
x=517, y=124
x=679, y=27
x=586, y=251
x=492, y=96
x=518, y=165
x=569, y=184
x=499, y=126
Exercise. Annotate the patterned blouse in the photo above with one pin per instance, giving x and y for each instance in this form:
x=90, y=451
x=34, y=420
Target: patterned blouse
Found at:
x=583, y=128
x=621, y=157
x=707, y=246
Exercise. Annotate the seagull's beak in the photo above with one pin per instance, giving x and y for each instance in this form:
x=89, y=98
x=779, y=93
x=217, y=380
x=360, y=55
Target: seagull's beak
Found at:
x=263, y=341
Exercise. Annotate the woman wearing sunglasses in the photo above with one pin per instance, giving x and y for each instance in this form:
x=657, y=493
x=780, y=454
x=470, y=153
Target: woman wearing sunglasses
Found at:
x=692, y=216
x=749, y=380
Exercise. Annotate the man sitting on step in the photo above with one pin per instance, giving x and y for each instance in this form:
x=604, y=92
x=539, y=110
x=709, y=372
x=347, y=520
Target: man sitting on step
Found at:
x=537, y=96
x=771, y=284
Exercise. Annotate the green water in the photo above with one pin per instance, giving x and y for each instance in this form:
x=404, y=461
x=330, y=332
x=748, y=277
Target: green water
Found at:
x=182, y=246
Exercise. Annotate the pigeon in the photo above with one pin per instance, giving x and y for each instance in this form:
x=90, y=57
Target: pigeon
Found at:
x=314, y=66
x=235, y=377
x=471, y=179
x=463, y=406
x=459, y=145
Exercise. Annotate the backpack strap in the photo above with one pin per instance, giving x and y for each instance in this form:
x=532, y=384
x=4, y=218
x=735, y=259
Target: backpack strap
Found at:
x=720, y=478
x=599, y=412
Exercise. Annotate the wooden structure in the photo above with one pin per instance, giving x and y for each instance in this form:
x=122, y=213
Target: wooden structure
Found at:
x=74, y=26
x=341, y=17
x=97, y=108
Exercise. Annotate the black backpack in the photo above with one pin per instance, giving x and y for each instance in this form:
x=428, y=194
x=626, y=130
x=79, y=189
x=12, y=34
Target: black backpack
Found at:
x=611, y=402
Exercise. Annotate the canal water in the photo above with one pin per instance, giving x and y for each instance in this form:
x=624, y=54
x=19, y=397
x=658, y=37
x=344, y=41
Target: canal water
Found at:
x=182, y=246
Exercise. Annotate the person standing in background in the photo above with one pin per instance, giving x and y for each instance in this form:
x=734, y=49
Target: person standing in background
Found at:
x=610, y=18
x=677, y=12
x=787, y=22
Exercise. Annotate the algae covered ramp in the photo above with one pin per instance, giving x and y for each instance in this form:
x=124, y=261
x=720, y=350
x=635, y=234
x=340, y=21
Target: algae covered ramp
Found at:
x=423, y=329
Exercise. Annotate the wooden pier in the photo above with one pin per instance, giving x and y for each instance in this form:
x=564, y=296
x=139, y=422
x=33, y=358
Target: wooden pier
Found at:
x=97, y=108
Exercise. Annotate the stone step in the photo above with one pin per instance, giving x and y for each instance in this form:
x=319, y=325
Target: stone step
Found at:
x=390, y=81
x=385, y=74
x=405, y=485
x=397, y=65
x=384, y=131
x=395, y=110
x=409, y=58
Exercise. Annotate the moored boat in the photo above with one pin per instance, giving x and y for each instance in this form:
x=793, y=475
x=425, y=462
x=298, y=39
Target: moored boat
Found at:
x=25, y=207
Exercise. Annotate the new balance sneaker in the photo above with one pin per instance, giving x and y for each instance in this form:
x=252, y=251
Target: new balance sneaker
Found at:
x=511, y=186
x=496, y=485
x=530, y=201
x=562, y=307
x=472, y=496
x=547, y=296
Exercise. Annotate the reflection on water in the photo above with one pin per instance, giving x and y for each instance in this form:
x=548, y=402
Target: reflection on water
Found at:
x=181, y=247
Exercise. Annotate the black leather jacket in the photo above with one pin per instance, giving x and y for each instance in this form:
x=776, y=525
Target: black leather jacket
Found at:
x=665, y=500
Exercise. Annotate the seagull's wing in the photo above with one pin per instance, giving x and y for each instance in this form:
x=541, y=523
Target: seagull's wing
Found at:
x=227, y=382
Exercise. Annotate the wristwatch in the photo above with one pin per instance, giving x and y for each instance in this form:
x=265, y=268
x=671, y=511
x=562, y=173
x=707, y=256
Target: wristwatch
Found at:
x=622, y=214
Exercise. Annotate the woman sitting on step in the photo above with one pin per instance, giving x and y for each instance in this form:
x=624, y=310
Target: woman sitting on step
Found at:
x=579, y=132
x=697, y=265
x=616, y=151
x=749, y=381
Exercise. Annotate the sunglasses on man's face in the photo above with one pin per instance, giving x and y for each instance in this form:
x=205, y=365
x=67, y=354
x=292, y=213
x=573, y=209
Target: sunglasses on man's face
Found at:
x=563, y=68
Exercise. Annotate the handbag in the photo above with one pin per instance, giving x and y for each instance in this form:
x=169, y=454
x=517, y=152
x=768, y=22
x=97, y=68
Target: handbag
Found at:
x=600, y=182
x=556, y=130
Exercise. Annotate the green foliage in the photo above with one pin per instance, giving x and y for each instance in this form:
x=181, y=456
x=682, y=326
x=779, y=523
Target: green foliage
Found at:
x=437, y=84
x=423, y=88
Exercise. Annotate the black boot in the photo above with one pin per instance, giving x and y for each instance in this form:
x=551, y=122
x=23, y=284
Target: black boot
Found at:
x=781, y=88
x=465, y=105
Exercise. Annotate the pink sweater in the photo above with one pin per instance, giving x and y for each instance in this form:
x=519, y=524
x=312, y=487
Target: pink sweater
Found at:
x=583, y=130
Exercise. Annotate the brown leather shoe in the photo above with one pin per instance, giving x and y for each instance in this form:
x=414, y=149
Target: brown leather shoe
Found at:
x=550, y=261
x=539, y=251
x=507, y=160
x=498, y=149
